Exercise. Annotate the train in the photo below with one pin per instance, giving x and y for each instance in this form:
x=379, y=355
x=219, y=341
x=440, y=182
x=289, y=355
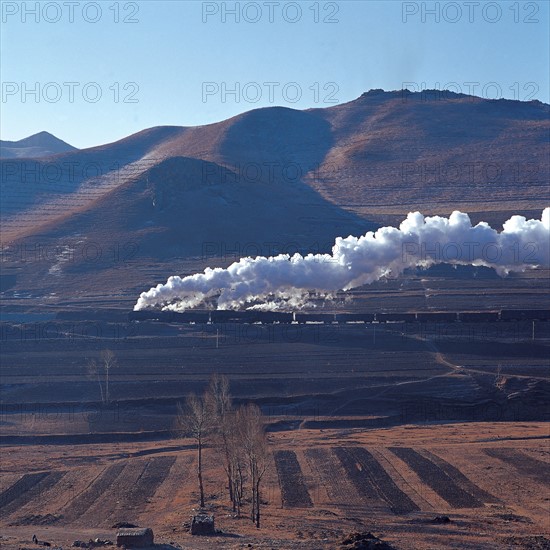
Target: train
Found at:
x=301, y=317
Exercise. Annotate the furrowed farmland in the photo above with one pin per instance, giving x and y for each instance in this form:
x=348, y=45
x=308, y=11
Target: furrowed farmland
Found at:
x=336, y=486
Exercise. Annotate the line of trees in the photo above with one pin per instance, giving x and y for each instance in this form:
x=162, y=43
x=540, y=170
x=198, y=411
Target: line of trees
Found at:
x=238, y=436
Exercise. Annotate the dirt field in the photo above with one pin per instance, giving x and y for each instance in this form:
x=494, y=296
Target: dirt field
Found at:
x=321, y=485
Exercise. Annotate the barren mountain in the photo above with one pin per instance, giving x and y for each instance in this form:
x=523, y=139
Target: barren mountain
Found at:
x=265, y=181
x=399, y=151
x=38, y=145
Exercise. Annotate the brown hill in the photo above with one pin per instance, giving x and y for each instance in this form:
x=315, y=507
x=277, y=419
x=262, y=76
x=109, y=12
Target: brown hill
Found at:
x=272, y=179
x=395, y=152
x=380, y=156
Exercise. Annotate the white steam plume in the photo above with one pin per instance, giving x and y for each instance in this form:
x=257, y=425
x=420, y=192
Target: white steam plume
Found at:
x=356, y=261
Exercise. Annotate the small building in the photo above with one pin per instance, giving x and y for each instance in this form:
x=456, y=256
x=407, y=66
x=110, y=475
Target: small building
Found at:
x=134, y=538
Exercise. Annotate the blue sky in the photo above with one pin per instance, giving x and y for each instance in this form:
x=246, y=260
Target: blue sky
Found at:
x=156, y=63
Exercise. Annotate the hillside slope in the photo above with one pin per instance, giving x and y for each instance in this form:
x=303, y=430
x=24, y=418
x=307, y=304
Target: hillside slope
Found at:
x=266, y=181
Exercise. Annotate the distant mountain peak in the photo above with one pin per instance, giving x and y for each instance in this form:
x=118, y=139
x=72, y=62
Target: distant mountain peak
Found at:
x=43, y=133
x=41, y=144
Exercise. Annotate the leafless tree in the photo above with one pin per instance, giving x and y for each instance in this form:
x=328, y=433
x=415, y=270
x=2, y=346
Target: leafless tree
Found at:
x=195, y=420
x=237, y=468
x=108, y=361
x=225, y=436
x=251, y=427
x=218, y=396
x=94, y=371
x=101, y=370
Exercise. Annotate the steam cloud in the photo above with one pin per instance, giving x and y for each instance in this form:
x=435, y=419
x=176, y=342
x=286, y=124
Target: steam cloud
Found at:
x=279, y=281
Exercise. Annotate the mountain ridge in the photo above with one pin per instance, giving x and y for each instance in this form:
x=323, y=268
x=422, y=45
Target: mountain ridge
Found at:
x=41, y=144
x=273, y=175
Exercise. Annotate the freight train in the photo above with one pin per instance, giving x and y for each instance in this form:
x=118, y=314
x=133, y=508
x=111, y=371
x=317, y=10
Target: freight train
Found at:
x=280, y=317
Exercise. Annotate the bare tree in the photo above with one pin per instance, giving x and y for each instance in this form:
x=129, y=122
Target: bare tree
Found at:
x=218, y=396
x=194, y=419
x=223, y=415
x=109, y=361
x=101, y=370
x=251, y=426
x=94, y=372
x=237, y=468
